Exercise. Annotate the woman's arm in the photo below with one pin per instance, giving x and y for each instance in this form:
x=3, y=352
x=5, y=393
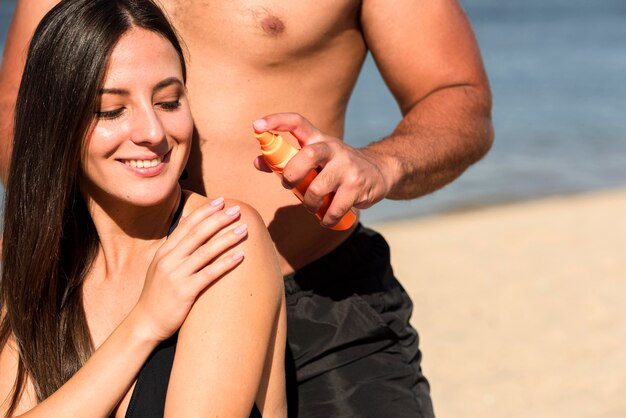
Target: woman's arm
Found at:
x=230, y=351
x=172, y=285
x=96, y=388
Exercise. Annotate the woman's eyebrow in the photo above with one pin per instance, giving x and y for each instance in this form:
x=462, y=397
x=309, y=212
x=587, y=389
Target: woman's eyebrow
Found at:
x=167, y=82
x=159, y=86
x=119, y=92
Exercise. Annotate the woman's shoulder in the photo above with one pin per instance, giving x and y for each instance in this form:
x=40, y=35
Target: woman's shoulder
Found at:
x=248, y=213
x=225, y=339
x=259, y=251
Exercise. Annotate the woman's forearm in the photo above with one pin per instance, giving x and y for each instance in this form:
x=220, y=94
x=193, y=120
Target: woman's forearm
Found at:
x=97, y=388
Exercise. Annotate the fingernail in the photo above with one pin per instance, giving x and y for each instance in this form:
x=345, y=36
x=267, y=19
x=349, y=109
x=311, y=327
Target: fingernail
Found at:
x=233, y=210
x=286, y=185
x=217, y=201
x=241, y=229
x=259, y=125
x=238, y=255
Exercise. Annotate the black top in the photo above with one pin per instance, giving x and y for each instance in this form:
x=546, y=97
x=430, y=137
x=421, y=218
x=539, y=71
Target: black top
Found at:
x=148, y=398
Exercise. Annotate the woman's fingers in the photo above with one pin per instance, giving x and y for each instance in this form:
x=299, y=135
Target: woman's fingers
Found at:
x=209, y=251
x=190, y=221
x=198, y=229
x=199, y=251
x=213, y=271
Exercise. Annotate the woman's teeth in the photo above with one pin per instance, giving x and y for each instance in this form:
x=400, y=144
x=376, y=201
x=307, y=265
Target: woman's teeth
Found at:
x=144, y=163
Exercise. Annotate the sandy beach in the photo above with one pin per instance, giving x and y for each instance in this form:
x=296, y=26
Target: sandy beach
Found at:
x=521, y=308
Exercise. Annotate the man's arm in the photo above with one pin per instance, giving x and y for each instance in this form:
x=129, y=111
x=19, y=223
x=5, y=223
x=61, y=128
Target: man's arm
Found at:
x=27, y=15
x=429, y=58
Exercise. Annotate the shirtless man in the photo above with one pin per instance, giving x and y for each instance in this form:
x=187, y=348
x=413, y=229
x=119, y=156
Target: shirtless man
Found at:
x=353, y=351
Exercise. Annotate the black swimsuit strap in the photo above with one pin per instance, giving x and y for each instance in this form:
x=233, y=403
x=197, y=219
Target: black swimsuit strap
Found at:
x=178, y=214
x=148, y=397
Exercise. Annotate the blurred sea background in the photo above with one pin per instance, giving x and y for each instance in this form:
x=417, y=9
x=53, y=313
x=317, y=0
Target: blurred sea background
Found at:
x=558, y=73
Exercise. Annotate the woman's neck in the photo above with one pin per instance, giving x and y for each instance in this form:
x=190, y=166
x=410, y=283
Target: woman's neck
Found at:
x=128, y=234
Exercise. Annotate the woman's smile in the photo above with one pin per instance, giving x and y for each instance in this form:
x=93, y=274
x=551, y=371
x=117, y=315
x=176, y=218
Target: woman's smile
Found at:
x=146, y=166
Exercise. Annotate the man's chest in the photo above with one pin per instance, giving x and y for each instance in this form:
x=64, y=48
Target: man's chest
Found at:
x=279, y=27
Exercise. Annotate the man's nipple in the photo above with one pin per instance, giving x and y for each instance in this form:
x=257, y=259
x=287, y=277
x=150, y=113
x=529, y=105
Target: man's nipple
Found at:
x=272, y=25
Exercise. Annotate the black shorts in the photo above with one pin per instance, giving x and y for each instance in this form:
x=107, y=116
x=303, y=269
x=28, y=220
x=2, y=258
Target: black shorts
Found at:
x=351, y=350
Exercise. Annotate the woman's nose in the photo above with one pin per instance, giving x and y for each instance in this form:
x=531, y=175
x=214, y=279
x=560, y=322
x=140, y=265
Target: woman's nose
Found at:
x=147, y=127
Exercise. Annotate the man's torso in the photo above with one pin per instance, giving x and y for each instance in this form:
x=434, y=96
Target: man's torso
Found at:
x=248, y=59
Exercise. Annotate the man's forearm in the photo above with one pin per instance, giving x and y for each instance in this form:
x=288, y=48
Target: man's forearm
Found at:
x=436, y=141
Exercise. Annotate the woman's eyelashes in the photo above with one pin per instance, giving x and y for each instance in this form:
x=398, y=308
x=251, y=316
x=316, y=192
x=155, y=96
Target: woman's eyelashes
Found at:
x=116, y=113
x=109, y=114
x=169, y=105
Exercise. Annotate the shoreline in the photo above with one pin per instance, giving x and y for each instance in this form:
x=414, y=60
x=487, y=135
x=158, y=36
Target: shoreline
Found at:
x=441, y=210
x=521, y=308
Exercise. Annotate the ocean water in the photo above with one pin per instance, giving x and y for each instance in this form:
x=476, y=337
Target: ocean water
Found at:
x=558, y=74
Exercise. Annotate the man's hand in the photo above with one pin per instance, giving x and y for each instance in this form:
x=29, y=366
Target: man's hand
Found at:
x=357, y=177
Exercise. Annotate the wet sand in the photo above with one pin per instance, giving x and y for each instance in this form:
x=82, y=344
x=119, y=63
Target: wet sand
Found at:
x=521, y=308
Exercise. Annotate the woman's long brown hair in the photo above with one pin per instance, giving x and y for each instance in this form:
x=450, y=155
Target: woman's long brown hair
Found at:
x=49, y=239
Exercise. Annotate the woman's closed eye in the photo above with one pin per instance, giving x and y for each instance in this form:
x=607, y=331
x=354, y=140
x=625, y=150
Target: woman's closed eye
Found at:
x=116, y=113
x=110, y=114
x=169, y=105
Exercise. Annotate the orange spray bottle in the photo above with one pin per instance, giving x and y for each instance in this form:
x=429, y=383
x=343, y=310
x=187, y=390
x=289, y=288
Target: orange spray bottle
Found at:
x=277, y=152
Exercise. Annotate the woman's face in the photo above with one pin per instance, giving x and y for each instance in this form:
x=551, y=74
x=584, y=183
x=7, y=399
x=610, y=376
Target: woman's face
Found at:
x=142, y=132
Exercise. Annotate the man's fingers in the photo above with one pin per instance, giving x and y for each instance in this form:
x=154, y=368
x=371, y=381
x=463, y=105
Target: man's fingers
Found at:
x=341, y=203
x=321, y=186
x=261, y=165
x=329, y=195
x=295, y=123
x=348, y=176
x=308, y=158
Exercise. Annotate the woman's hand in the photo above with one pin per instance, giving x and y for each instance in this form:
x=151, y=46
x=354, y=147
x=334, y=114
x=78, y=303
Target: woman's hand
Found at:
x=198, y=252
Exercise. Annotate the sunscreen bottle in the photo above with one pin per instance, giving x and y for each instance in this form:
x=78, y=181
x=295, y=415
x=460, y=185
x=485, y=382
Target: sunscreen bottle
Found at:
x=277, y=152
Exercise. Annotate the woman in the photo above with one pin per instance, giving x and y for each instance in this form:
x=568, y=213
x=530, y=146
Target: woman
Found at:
x=103, y=291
